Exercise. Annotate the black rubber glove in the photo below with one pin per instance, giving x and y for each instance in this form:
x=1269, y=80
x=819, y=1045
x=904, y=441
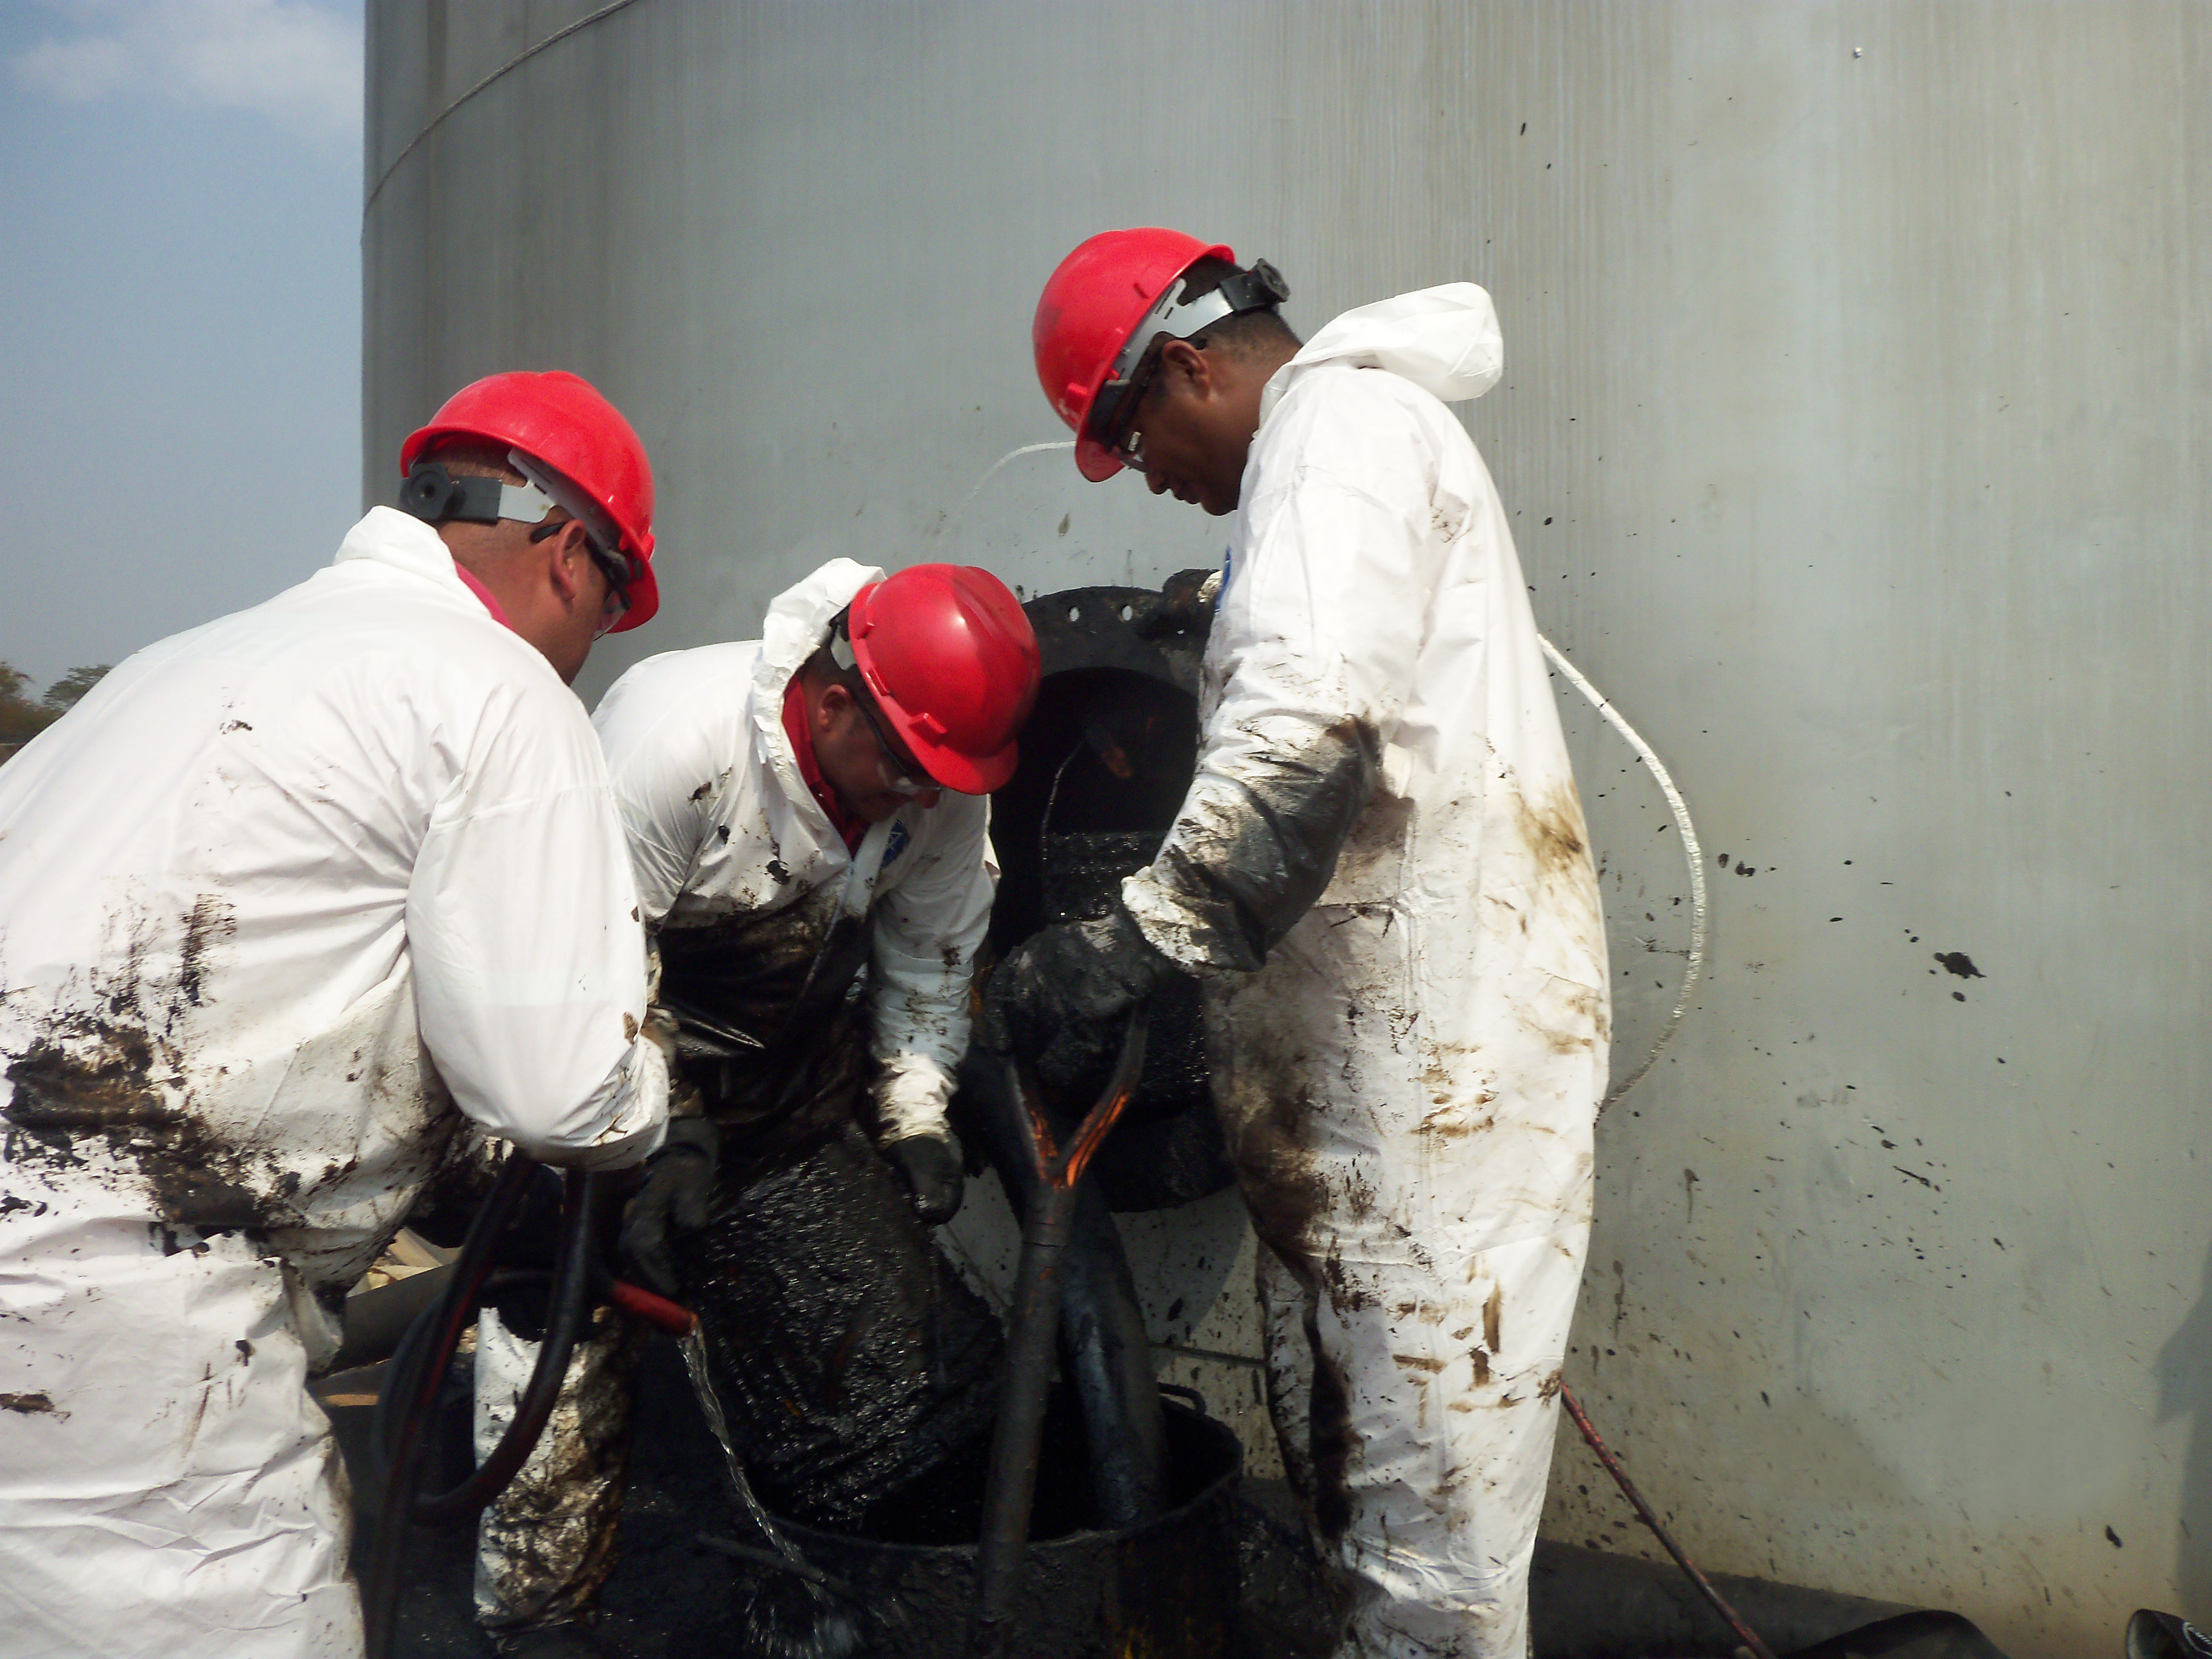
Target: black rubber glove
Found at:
x=679, y=1181
x=929, y=1164
x=1063, y=997
x=1185, y=604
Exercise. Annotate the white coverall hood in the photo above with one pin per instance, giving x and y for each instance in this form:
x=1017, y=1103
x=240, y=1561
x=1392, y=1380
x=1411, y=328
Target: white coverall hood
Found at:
x=1444, y=340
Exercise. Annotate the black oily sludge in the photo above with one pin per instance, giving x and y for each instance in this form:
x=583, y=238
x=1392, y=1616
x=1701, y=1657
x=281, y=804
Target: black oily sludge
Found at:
x=850, y=1360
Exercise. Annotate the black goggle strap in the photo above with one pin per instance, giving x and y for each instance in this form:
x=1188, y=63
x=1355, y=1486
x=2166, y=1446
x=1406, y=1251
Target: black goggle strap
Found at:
x=435, y=496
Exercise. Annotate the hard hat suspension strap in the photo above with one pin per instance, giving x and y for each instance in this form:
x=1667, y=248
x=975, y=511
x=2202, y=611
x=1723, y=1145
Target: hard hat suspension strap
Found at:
x=1256, y=290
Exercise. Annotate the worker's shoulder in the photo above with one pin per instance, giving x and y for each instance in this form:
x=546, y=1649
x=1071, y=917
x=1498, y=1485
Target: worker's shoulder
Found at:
x=1363, y=395
x=721, y=673
x=1356, y=426
x=684, y=699
x=351, y=634
x=954, y=818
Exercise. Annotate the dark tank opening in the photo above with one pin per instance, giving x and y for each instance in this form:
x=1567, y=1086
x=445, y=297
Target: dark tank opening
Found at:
x=1107, y=758
x=1108, y=751
x=1166, y=1589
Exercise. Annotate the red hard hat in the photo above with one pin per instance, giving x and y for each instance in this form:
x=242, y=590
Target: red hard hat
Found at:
x=952, y=661
x=561, y=420
x=1089, y=308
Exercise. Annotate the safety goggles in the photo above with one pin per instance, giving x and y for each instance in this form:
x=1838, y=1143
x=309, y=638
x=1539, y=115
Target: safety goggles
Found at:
x=905, y=776
x=1118, y=432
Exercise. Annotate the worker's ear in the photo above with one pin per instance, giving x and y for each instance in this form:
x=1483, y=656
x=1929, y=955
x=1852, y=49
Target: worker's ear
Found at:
x=569, y=558
x=1185, y=370
x=832, y=705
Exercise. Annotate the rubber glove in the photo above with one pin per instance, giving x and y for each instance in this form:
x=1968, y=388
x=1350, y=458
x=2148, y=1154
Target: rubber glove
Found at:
x=1063, y=996
x=1185, y=604
x=677, y=1189
x=929, y=1165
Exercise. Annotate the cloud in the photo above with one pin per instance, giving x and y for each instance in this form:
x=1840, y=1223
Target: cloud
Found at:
x=297, y=62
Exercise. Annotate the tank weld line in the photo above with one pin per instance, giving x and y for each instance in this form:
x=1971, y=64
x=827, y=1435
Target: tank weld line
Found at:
x=1695, y=958
x=1214, y=1354
x=431, y=126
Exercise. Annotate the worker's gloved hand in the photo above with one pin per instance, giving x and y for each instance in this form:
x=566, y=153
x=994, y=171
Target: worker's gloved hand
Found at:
x=929, y=1164
x=679, y=1184
x=1063, y=997
x=1185, y=604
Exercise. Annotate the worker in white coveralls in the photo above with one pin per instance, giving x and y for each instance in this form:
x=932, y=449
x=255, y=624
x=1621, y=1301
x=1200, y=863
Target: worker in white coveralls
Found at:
x=807, y=819
x=276, y=898
x=1380, y=875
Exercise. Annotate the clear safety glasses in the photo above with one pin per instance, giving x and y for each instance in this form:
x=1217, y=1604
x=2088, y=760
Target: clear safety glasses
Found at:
x=1119, y=433
x=616, y=606
x=904, y=774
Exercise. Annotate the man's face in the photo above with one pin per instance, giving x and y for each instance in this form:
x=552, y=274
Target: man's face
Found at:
x=862, y=759
x=1193, y=430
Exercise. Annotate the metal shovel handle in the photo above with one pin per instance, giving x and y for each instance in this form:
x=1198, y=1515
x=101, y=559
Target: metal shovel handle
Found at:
x=1011, y=1493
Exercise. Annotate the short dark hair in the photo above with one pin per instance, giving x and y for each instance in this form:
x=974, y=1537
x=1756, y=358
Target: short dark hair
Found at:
x=1244, y=334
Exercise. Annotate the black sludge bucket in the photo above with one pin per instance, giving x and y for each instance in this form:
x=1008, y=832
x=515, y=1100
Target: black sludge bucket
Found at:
x=1164, y=1590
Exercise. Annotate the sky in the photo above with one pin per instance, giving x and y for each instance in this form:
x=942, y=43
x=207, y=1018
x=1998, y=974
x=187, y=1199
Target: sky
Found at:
x=179, y=313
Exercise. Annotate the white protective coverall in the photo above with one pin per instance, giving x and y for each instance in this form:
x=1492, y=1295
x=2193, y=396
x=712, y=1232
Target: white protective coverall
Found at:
x=721, y=824
x=1410, y=1080
x=722, y=827
x=276, y=896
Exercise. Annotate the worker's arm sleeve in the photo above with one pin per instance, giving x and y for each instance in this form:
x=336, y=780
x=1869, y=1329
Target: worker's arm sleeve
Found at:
x=529, y=961
x=926, y=933
x=668, y=776
x=1313, y=645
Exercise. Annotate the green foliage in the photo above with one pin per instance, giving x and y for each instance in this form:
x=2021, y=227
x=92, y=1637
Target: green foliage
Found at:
x=65, y=693
x=22, y=719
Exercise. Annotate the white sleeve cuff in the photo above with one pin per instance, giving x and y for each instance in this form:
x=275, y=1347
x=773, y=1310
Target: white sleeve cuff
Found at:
x=911, y=1091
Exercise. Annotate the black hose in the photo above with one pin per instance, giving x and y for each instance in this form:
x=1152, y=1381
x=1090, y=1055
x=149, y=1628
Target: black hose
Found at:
x=1105, y=1352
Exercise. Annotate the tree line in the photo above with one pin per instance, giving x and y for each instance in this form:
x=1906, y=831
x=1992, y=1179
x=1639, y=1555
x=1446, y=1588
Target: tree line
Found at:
x=23, y=717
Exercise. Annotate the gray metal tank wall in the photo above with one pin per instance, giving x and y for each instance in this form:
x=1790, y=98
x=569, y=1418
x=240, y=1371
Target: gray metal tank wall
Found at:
x=1855, y=423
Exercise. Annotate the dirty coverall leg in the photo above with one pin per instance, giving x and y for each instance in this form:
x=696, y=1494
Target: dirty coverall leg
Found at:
x=546, y=1545
x=167, y=1487
x=1414, y=1358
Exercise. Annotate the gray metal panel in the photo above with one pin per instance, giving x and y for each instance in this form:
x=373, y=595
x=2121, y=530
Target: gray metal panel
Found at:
x=1856, y=424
